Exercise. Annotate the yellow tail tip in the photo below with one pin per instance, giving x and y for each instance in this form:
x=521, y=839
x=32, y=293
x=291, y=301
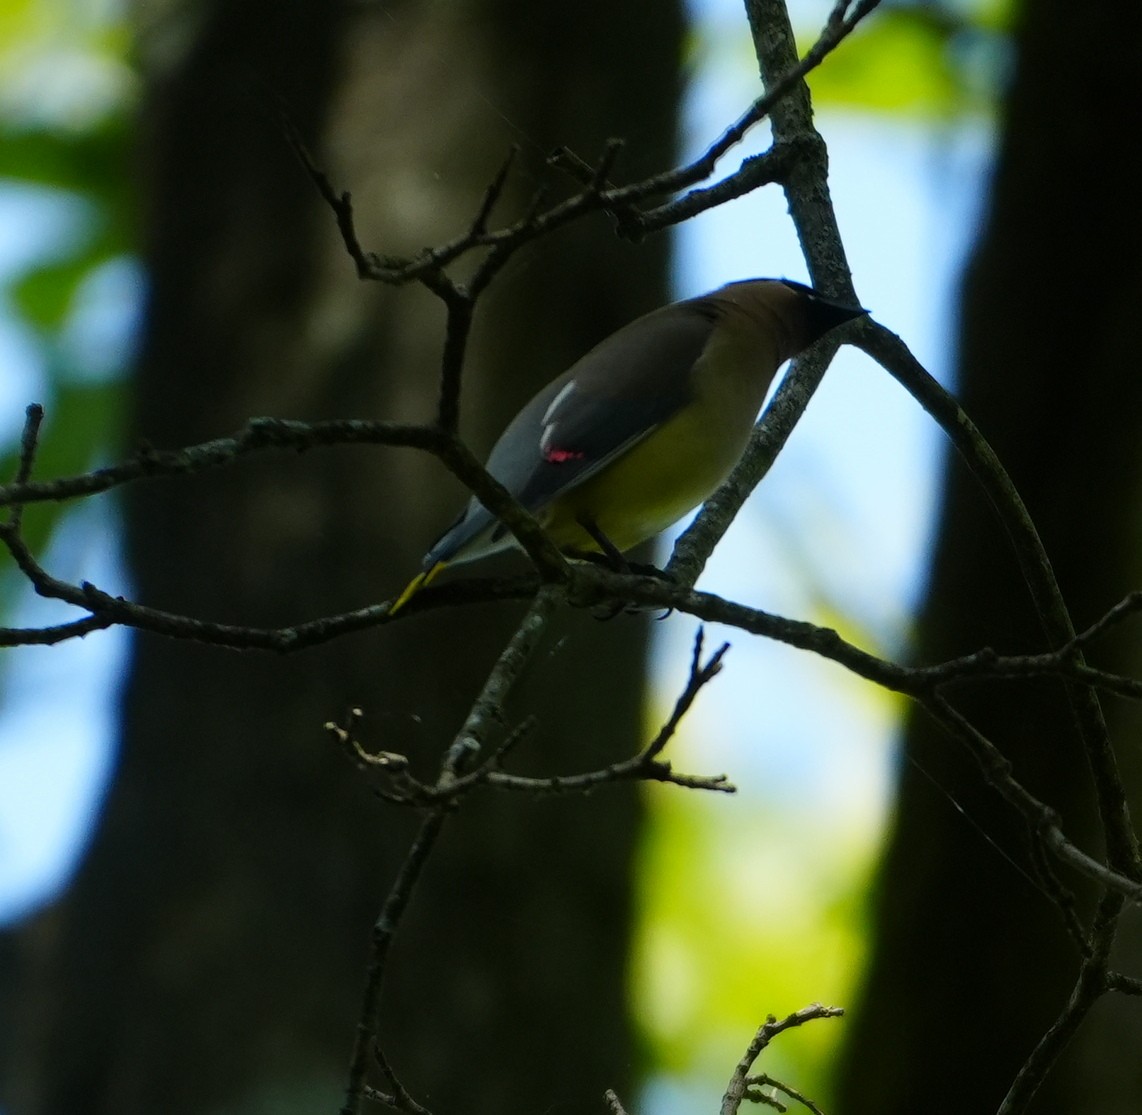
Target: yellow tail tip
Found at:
x=421, y=580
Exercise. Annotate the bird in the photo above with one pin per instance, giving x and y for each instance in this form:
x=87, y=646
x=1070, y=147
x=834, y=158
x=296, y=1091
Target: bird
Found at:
x=644, y=427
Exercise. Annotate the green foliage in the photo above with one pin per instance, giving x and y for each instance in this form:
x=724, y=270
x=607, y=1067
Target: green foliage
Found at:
x=929, y=60
x=903, y=65
x=65, y=94
x=43, y=296
x=748, y=907
x=92, y=408
x=745, y=914
x=756, y=904
x=89, y=163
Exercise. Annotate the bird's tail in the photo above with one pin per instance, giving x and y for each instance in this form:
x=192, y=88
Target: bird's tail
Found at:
x=421, y=580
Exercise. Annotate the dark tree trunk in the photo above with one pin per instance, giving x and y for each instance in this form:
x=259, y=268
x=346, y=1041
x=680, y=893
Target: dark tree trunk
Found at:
x=971, y=962
x=210, y=954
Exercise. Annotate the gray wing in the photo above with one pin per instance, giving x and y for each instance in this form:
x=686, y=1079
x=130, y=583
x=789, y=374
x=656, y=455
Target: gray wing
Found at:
x=605, y=403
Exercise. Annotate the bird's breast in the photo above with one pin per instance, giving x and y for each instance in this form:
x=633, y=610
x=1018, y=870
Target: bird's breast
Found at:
x=673, y=469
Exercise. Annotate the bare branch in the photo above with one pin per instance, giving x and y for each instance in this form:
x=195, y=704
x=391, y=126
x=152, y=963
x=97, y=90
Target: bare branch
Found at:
x=701, y=674
x=740, y=1080
x=806, y=184
x=1128, y=985
x=1041, y=819
x=492, y=194
x=1128, y=607
x=1052, y=886
x=57, y=633
x=767, y=1081
x=460, y=306
x=400, y=1098
x=1089, y=987
x=773, y=165
x=784, y=82
x=597, y=196
x=389, y=773
x=487, y=709
x=340, y=203
x=614, y=1106
x=262, y=434
x=698, y=541
x=1114, y=811
x=384, y=930
x=29, y=441
x=258, y=435
x=459, y=756
x=636, y=769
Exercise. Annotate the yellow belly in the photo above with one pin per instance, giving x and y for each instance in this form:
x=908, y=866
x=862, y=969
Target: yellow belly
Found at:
x=682, y=462
x=653, y=485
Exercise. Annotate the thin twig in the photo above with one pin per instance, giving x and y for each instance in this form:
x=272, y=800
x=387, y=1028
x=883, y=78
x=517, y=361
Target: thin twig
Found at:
x=1042, y=820
x=739, y=1081
x=1128, y=607
x=701, y=674
x=265, y=434
x=1052, y=886
x=646, y=765
x=765, y=1080
x=460, y=307
x=614, y=1106
x=1035, y=565
x=56, y=633
x=619, y=201
x=1128, y=985
x=755, y=171
x=400, y=1098
x=258, y=435
x=341, y=203
x=487, y=708
x=389, y=773
x=1089, y=987
x=492, y=194
x=806, y=185
x=384, y=930
x=29, y=441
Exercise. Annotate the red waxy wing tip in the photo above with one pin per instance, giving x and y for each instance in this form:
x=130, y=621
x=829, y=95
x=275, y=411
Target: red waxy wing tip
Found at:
x=559, y=456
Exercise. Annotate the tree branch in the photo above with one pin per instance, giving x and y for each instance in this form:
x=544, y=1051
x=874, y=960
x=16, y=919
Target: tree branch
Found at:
x=1114, y=811
x=740, y=1080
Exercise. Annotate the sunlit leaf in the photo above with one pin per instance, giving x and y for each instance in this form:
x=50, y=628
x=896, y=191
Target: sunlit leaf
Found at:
x=90, y=164
x=82, y=421
x=784, y=905
x=899, y=62
x=43, y=295
x=65, y=91
x=63, y=64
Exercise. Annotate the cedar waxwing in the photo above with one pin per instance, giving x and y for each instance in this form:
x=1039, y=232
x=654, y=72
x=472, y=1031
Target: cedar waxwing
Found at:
x=645, y=426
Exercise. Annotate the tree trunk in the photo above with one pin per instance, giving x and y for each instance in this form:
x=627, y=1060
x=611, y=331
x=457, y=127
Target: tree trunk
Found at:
x=971, y=962
x=210, y=954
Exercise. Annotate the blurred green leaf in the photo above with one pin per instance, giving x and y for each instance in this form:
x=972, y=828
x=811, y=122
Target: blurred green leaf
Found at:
x=993, y=15
x=65, y=139
x=930, y=60
x=784, y=901
x=91, y=164
x=43, y=295
x=787, y=927
x=899, y=62
x=81, y=421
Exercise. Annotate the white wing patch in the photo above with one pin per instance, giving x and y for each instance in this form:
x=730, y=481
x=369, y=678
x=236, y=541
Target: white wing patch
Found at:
x=549, y=416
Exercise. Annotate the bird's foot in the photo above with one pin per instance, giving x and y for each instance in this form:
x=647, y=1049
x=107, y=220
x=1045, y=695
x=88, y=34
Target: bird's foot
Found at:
x=640, y=569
